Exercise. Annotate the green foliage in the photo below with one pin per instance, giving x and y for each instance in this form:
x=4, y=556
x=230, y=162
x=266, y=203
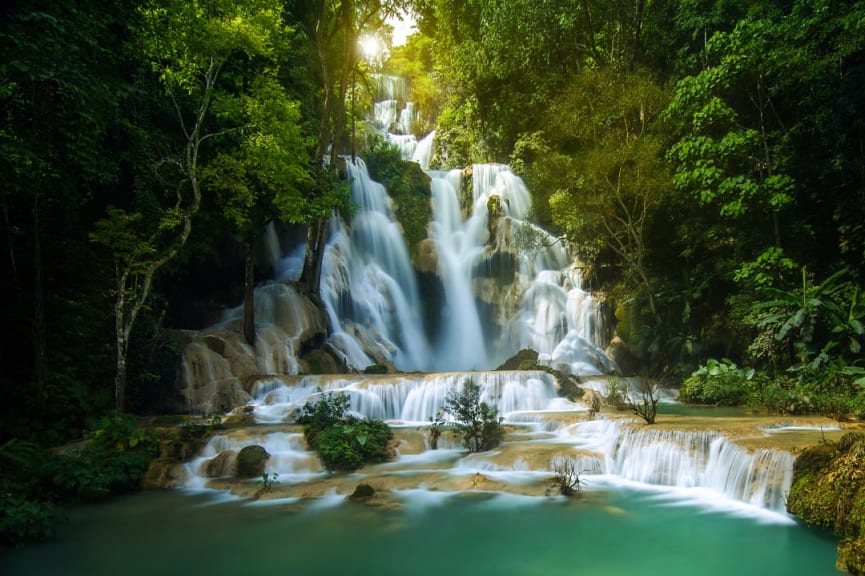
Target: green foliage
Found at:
x=34, y=481
x=268, y=480
x=816, y=322
x=343, y=442
x=720, y=383
x=349, y=444
x=375, y=369
x=406, y=184
x=320, y=415
x=480, y=425
x=113, y=461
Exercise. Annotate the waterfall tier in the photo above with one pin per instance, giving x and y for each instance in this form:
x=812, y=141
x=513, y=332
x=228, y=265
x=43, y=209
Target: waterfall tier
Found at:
x=697, y=466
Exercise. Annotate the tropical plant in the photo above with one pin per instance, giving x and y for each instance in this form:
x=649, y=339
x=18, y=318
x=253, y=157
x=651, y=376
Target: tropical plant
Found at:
x=814, y=320
x=720, y=382
x=342, y=441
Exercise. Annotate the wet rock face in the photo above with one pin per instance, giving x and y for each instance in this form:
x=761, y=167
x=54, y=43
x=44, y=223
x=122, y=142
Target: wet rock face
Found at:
x=251, y=461
x=829, y=491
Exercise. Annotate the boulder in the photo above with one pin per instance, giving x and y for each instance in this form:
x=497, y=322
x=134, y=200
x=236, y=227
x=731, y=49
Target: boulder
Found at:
x=251, y=461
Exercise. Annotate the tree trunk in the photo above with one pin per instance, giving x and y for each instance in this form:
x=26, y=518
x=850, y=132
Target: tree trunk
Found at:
x=122, y=348
x=249, y=289
x=40, y=352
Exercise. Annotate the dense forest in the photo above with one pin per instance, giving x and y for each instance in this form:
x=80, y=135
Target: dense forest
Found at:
x=705, y=159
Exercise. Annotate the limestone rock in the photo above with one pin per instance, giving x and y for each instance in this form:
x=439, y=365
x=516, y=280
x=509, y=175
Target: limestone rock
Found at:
x=163, y=473
x=619, y=351
x=220, y=465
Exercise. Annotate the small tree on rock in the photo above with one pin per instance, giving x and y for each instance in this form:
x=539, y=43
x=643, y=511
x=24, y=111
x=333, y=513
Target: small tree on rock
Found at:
x=480, y=424
x=643, y=402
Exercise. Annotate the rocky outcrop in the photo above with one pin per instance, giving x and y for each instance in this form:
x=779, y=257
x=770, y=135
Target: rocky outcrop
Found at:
x=621, y=354
x=828, y=491
x=219, y=366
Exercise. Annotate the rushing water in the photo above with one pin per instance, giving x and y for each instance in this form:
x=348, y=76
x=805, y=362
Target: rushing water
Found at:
x=603, y=533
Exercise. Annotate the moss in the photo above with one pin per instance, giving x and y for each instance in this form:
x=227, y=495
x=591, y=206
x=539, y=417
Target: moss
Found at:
x=408, y=186
x=828, y=491
x=362, y=493
x=851, y=555
x=375, y=369
x=527, y=359
x=521, y=361
x=251, y=461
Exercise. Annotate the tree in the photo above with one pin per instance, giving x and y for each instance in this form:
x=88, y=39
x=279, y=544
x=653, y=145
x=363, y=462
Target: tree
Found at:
x=187, y=46
x=335, y=27
x=63, y=79
x=618, y=178
x=643, y=402
x=262, y=176
x=481, y=427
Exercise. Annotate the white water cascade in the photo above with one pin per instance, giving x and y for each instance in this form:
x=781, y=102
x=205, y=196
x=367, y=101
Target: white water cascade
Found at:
x=368, y=284
x=538, y=304
x=704, y=467
x=690, y=460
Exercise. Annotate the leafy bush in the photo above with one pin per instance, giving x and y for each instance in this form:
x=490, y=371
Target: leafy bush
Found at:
x=322, y=414
x=480, y=424
x=114, y=461
x=34, y=480
x=721, y=383
x=24, y=519
x=343, y=442
x=375, y=369
x=349, y=445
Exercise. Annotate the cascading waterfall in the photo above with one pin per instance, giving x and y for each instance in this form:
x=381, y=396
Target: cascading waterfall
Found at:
x=368, y=284
x=683, y=459
x=543, y=307
x=614, y=449
x=411, y=399
x=499, y=295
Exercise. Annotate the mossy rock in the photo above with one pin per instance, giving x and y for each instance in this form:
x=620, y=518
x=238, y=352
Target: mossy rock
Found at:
x=525, y=359
x=375, y=369
x=362, y=493
x=828, y=491
x=851, y=555
x=251, y=461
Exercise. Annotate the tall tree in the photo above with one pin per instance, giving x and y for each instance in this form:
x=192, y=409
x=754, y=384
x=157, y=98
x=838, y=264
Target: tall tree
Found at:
x=263, y=177
x=188, y=45
x=61, y=83
x=336, y=27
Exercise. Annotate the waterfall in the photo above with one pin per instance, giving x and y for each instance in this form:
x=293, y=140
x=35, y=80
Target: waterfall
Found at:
x=683, y=459
x=415, y=398
x=368, y=284
x=500, y=283
x=700, y=465
x=540, y=304
x=423, y=151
